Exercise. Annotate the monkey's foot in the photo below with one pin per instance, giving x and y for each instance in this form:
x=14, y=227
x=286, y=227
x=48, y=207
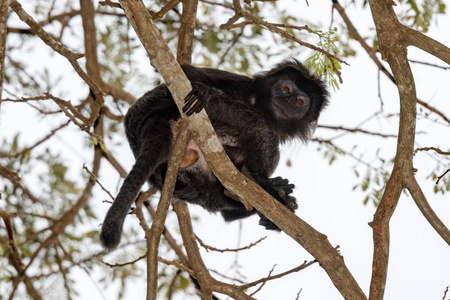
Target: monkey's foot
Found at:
x=268, y=224
x=282, y=186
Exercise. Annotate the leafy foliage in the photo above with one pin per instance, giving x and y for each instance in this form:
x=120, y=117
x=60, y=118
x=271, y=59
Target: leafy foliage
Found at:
x=419, y=13
x=321, y=63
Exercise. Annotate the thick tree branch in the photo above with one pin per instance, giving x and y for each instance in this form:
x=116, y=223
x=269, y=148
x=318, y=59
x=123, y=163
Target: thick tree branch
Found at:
x=393, y=49
x=427, y=44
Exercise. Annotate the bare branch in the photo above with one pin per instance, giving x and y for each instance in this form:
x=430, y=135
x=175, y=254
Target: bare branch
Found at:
x=98, y=182
x=356, y=130
x=437, y=150
x=207, y=283
x=169, y=6
x=177, y=153
x=422, y=203
x=16, y=257
x=207, y=247
x=293, y=270
x=29, y=148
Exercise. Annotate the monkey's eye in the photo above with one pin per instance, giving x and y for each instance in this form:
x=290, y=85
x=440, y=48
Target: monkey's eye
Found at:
x=286, y=89
x=300, y=101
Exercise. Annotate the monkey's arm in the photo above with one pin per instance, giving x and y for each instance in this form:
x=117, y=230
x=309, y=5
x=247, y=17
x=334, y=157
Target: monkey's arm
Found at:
x=209, y=83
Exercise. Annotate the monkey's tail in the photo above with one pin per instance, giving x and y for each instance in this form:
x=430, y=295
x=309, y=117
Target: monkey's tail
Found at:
x=113, y=223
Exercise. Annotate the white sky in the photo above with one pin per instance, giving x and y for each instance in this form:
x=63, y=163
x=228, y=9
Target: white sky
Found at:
x=419, y=258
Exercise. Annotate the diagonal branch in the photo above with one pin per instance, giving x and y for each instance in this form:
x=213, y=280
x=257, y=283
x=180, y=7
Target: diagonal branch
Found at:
x=422, y=203
x=427, y=44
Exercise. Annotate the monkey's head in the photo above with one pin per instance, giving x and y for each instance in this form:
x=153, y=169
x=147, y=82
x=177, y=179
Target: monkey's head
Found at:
x=292, y=97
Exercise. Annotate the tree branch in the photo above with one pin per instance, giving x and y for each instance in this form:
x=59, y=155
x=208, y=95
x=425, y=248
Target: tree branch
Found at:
x=427, y=44
x=422, y=203
x=186, y=31
x=3, y=33
x=393, y=49
x=176, y=155
x=207, y=283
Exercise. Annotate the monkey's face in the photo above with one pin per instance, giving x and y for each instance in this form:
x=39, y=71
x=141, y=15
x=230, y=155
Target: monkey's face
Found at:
x=288, y=100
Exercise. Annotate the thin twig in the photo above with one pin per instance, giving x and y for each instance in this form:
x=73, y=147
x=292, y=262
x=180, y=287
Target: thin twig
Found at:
x=207, y=247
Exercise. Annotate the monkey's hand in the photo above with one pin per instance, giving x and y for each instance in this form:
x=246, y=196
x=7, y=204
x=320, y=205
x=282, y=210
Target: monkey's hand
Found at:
x=197, y=99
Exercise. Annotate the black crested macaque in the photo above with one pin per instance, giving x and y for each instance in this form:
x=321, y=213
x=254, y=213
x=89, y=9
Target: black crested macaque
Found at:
x=251, y=117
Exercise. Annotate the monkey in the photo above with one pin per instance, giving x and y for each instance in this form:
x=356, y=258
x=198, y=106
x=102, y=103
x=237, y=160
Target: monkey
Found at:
x=252, y=116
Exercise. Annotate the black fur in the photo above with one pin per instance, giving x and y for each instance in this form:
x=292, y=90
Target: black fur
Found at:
x=251, y=116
